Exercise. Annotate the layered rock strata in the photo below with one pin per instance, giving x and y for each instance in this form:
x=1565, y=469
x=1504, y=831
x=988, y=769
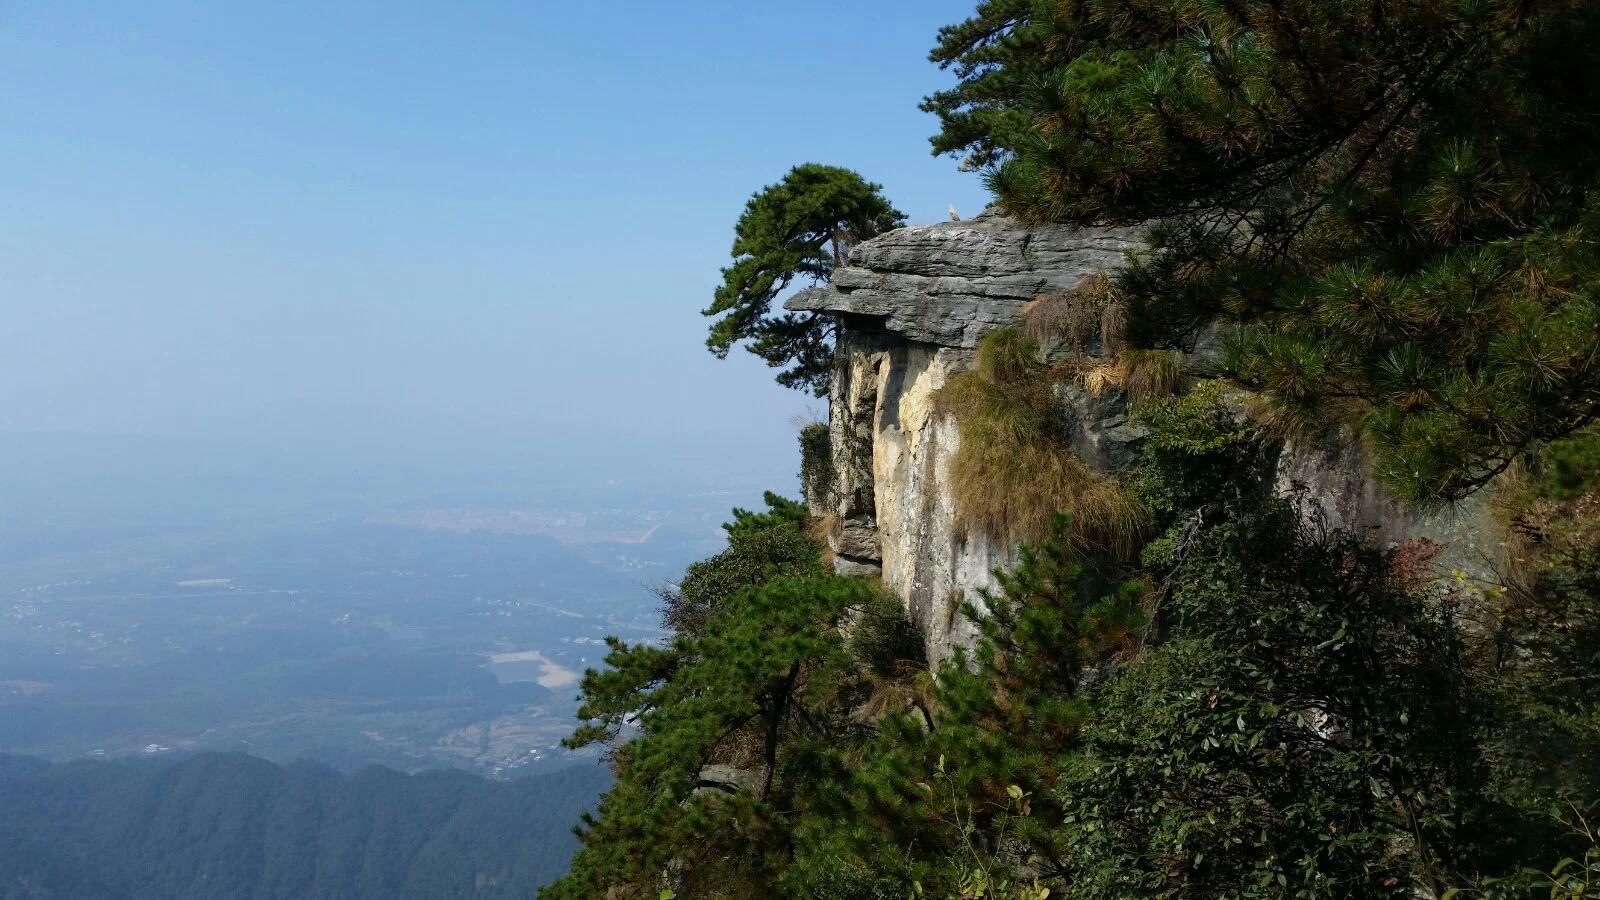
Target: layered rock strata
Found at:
x=912, y=306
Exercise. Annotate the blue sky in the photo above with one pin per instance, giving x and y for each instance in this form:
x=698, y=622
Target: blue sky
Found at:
x=465, y=227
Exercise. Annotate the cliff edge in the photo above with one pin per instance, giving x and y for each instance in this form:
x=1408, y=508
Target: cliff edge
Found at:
x=912, y=305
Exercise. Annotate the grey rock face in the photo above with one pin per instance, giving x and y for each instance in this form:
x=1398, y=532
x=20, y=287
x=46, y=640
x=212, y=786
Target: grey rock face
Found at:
x=912, y=305
x=730, y=779
x=950, y=284
x=1332, y=477
x=1098, y=427
x=910, y=525
x=852, y=406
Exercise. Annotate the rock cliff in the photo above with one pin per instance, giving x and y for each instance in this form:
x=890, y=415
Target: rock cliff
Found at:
x=912, y=305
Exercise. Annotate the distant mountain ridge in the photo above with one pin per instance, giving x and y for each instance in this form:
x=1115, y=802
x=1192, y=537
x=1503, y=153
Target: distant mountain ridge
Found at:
x=228, y=825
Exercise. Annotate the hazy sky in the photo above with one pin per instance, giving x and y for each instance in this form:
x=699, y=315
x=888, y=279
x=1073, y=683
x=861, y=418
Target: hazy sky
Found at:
x=445, y=224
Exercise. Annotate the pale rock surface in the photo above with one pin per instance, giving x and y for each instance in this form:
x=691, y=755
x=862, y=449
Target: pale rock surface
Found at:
x=913, y=304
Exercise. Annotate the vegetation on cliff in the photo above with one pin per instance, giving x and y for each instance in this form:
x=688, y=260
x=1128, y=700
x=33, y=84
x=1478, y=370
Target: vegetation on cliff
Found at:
x=1191, y=686
x=1260, y=707
x=795, y=232
x=1015, y=469
x=1397, y=199
x=719, y=736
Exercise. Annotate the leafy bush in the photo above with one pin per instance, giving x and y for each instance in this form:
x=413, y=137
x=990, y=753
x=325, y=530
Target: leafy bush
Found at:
x=816, y=465
x=1544, y=657
x=1200, y=450
x=1306, y=718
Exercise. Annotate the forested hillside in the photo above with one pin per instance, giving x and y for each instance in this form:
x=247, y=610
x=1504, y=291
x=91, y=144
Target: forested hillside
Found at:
x=234, y=826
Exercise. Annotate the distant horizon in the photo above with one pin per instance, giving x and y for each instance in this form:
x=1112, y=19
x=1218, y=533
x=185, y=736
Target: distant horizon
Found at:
x=426, y=232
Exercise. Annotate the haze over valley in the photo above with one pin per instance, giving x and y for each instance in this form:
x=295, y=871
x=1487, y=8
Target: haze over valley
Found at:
x=410, y=629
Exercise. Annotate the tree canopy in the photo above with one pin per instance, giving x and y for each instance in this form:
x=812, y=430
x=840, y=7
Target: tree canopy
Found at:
x=759, y=681
x=1395, y=199
x=794, y=233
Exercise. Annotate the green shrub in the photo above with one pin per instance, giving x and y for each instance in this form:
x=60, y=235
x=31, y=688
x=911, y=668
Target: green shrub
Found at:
x=1200, y=449
x=1545, y=655
x=883, y=640
x=816, y=465
x=1567, y=468
x=1305, y=731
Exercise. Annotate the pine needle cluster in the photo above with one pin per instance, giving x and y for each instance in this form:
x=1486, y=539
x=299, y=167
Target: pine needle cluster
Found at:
x=1396, y=199
x=794, y=234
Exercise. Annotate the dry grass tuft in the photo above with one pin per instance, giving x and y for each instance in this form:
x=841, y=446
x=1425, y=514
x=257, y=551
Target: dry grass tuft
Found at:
x=1012, y=492
x=1150, y=373
x=1014, y=469
x=909, y=688
x=825, y=529
x=1093, y=309
x=1143, y=374
x=1100, y=379
x=1548, y=508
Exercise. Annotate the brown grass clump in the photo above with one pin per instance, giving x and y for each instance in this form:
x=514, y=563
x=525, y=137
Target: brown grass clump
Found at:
x=912, y=688
x=1143, y=374
x=825, y=529
x=1014, y=468
x=1094, y=308
x=1548, y=525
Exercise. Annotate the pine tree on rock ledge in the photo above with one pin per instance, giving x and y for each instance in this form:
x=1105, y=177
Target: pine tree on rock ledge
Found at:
x=794, y=233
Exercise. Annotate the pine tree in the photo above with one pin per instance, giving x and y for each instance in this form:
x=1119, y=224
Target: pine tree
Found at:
x=740, y=694
x=761, y=546
x=1395, y=199
x=965, y=784
x=795, y=232
x=997, y=56
x=762, y=681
